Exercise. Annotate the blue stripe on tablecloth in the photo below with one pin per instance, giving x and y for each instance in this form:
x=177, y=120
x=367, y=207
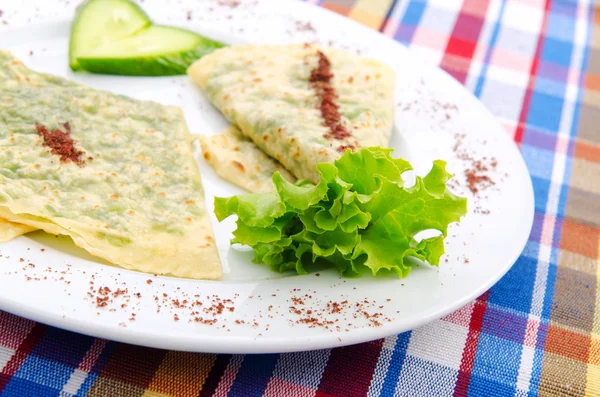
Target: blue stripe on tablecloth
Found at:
x=254, y=375
x=546, y=110
x=486, y=388
x=25, y=388
x=412, y=16
x=515, y=289
x=391, y=377
x=489, y=51
x=498, y=353
x=541, y=189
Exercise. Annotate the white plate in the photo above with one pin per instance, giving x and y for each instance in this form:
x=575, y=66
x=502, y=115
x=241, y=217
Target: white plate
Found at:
x=479, y=251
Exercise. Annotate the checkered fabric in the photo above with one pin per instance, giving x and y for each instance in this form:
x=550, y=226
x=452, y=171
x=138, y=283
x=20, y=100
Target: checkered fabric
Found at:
x=536, y=65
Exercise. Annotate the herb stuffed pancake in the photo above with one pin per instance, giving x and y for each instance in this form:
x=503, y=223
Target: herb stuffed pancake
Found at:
x=300, y=104
x=115, y=174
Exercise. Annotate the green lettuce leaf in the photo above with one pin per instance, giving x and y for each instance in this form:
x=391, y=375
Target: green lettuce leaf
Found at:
x=359, y=218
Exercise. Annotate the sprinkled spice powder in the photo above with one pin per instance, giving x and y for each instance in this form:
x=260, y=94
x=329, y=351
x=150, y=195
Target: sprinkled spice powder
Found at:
x=228, y=3
x=302, y=26
x=476, y=176
x=303, y=308
x=477, y=173
x=61, y=144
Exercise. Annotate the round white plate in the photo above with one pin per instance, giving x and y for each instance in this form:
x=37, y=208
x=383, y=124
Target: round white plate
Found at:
x=252, y=310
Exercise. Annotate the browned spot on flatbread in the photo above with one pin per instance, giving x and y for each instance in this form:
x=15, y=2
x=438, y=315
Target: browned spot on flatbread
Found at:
x=238, y=165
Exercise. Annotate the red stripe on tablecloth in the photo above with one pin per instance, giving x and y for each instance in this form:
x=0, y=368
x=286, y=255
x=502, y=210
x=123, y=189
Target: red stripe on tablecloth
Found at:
x=459, y=50
x=468, y=358
x=350, y=369
x=214, y=376
x=25, y=348
x=532, y=75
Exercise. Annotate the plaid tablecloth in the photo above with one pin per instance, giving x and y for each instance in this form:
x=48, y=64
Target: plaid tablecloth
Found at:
x=536, y=65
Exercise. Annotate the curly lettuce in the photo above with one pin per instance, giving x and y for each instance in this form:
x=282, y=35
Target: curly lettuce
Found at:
x=359, y=217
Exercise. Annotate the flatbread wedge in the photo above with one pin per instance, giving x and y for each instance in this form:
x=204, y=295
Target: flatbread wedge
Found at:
x=235, y=158
x=292, y=100
x=115, y=174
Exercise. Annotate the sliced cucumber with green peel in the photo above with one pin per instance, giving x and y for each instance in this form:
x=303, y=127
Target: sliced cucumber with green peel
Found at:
x=117, y=37
x=155, y=51
x=99, y=22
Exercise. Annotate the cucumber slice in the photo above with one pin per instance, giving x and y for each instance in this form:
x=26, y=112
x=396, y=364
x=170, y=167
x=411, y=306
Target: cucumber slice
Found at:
x=99, y=22
x=155, y=51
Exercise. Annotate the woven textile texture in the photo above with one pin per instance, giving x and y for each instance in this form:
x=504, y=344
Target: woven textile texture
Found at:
x=536, y=65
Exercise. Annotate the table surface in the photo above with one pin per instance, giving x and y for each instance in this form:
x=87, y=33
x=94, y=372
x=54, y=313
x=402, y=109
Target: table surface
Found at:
x=536, y=65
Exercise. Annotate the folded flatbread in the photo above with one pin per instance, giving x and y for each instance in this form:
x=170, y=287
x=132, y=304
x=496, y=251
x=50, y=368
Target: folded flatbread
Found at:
x=300, y=104
x=10, y=230
x=115, y=174
x=238, y=160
